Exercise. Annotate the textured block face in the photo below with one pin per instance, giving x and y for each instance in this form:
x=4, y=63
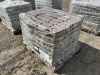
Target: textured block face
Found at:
x=9, y=13
x=57, y=4
x=42, y=3
x=31, y=1
x=53, y=34
x=90, y=9
x=1, y=0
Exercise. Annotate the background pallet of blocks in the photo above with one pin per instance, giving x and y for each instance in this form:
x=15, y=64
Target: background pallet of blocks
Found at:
x=57, y=4
x=31, y=1
x=91, y=10
x=9, y=13
x=38, y=3
x=52, y=34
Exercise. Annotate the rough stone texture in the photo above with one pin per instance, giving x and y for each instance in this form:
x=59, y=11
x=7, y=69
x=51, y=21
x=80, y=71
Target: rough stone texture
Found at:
x=57, y=4
x=32, y=2
x=9, y=13
x=52, y=34
x=91, y=10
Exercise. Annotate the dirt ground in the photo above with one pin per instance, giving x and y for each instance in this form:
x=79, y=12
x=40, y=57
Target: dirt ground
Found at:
x=86, y=62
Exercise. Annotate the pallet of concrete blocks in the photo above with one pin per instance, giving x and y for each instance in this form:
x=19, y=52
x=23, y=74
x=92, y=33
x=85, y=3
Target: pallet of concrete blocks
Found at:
x=31, y=1
x=57, y=4
x=9, y=13
x=52, y=34
x=91, y=11
x=43, y=3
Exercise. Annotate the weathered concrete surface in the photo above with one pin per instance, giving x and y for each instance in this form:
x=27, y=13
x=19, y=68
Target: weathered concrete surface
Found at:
x=86, y=62
x=32, y=2
x=58, y=4
x=9, y=13
x=1, y=0
x=90, y=10
x=43, y=3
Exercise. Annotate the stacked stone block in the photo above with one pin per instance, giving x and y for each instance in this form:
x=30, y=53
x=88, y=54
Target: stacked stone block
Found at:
x=31, y=1
x=39, y=3
x=57, y=4
x=90, y=9
x=43, y=3
x=9, y=13
x=52, y=34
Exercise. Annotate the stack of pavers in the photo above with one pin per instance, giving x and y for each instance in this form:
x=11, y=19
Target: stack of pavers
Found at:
x=42, y=3
x=52, y=34
x=91, y=11
x=32, y=2
x=57, y=4
x=9, y=13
